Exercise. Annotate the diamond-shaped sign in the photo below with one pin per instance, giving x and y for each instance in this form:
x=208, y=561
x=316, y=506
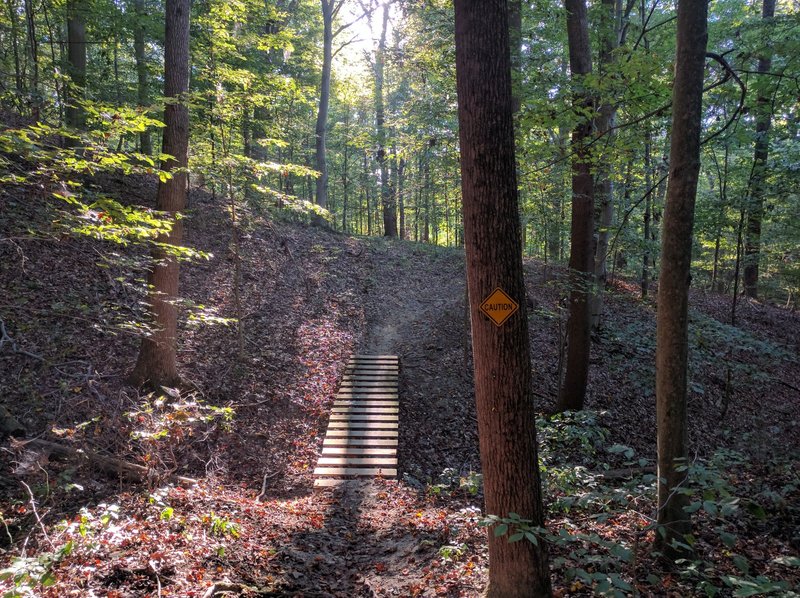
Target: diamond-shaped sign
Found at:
x=499, y=307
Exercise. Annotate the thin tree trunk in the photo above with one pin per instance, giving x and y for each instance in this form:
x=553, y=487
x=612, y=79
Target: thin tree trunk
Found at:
x=673, y=288
x=604, y=189
x=581, y=259
x=157, y=365
x=755, y=215
x=401, y=167
x=142, y=88
x=345, y=168
x=76, y=54
x=18, y=81
x=503, y=396
x=329, y=9
x=33, y=51
x=52, y=42
x=387, y=198
x=648, y=201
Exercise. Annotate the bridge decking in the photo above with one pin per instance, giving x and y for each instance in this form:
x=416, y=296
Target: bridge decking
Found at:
x=361, y=441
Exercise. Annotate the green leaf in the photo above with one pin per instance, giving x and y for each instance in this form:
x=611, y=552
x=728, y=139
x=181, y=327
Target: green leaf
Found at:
x=500, y=530
x=741, y=563
x=789, y=561
x=710, y=507
x=728, y=539
x=694, y=506
x=516, y=537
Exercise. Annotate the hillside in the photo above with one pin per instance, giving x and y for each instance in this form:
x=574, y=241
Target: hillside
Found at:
x=248, y=427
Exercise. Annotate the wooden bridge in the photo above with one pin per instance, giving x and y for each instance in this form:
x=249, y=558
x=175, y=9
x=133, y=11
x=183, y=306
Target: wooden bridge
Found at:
x=361, y=441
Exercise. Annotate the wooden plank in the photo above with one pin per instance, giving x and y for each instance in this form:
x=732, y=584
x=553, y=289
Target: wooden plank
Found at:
x=372, y=367
x=374, y=401
x=361, y=425
x=373, y=417
x=345, y=433
x=388, y=451
x=355, y=471
x=373, y=357
x=370, y=377
x=347, y=441
x=347, y=461
x=363, y=410
x=345, y=404
x=367, y=386
x=378, y=394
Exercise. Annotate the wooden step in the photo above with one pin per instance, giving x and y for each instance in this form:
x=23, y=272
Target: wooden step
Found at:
x=373, y=433
x=370, y=417
x=365, y=406
x=361, y=425
x=348, y=461
x=382, y=395
x=371, y=472
x=363, y=410
x=361, y=440
x=356, y=441
x=387, y=451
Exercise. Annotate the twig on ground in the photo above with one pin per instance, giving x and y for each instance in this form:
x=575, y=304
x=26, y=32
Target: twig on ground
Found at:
x=267, y=476
x=36, y=514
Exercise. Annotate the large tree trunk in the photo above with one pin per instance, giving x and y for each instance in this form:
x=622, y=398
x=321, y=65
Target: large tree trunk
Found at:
x=673, y=285
x=492, y=237
x=328, y=11
x=387, y=198
x=156, y=365
x=76, y=55
x=142, y=89
x=752, y=248
x=581, y=258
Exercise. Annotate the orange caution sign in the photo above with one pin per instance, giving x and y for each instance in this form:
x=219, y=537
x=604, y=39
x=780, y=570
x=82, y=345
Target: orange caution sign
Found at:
x=499, y=307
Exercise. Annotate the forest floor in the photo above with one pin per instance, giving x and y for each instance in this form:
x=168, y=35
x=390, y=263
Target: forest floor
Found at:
x=248, y=425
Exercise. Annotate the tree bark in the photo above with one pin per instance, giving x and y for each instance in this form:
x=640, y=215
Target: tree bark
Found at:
x=76, y=56
x=673, y=288
x=18, y=81
x=156, y=365
x=648, y=202
x=581, y=258
x=502, y=371
x=33, y=50
x=604, y=188
x=755, y=215
x=142, y=89
x=329, y=9
x=387, y=198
